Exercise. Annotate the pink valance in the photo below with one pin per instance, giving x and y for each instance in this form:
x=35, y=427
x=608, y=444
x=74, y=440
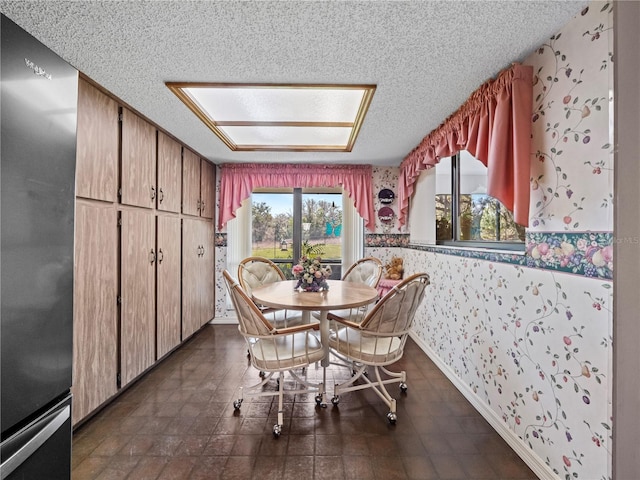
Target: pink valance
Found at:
x=238, y=180
x=494, y=125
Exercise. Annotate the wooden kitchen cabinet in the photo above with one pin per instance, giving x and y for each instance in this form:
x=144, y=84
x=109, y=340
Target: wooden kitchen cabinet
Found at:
x=207, y=189
x=190, y=183
x=137, y=291
x=168, y=328
x=198, y=186
x=138, y=179
x=169, y=174
x=95, y=307
x=97, y=144
x=197, y=275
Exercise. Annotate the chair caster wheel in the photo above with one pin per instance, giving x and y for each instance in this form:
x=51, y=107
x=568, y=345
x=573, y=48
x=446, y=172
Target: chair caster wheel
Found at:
x=237, y=404
x=335, y=400
x=261, y=374
x=403, y=387
x=320, y=402
x=277, y=429
x=392, y=417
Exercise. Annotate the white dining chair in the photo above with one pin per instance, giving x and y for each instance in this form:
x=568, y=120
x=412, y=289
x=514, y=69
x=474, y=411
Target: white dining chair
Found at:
x=378, y=341
x=258, y=271
x=366, y=270
x=275, y=351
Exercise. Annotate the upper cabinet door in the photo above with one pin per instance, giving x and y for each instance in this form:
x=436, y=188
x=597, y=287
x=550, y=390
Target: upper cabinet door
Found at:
x=190, y=183
x=169, y=173
x=207, y=189
x=97, y=144
x=138, y=161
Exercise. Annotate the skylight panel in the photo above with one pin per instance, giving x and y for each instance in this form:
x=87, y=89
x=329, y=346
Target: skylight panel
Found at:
x=279, y=117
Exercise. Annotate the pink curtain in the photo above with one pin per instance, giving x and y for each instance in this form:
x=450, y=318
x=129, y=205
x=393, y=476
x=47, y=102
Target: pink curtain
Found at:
x=239, y=179
x=494, y=125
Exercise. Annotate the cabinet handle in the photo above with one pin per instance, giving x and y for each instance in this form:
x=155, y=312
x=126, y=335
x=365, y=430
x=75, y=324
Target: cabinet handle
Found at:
x=201, y=206
x=153, y=192
x=160, y=255
x=202, y=255
x=152, y=256
x=198, y=205
x=160, y=195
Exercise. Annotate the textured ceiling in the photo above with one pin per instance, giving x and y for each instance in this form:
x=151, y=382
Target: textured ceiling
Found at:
x=426, y=57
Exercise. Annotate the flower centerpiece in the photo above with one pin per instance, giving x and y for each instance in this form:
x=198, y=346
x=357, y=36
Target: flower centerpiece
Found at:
x=311, y=275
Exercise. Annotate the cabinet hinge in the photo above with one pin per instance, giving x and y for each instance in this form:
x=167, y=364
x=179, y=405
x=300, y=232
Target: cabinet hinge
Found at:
x=120, y=117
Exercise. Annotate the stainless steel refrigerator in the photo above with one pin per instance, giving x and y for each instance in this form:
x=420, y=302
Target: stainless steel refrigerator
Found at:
x=38, y=150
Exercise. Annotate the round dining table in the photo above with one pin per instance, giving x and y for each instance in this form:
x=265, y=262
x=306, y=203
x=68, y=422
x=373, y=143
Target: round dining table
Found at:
x=340, y=295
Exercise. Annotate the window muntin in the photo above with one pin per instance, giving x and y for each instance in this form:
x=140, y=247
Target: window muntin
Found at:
x=288, y=221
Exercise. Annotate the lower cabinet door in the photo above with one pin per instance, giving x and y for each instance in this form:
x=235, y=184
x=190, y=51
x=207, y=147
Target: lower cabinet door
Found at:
x=168, y=281
x=191, y=253
x=95, y=308
x=137, y=284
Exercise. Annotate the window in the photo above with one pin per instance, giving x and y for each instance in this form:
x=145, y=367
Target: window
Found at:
x=288, y=223
x=465, y=214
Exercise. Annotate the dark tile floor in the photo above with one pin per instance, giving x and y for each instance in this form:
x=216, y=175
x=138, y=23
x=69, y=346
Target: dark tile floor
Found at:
x=178, y=422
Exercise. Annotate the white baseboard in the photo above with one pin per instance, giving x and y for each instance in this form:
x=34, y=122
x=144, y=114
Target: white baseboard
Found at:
x=535, y=463
x=224, y=321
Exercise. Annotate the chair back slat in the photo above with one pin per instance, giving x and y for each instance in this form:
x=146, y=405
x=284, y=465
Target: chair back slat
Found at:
x=255, y=272
x=394, y=313
x=250, y=319
x=366, y=270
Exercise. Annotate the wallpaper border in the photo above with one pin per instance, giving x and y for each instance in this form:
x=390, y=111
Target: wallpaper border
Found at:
x=588, y=254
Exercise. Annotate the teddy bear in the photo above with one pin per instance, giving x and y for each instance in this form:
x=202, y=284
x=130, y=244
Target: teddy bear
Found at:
x=394, y=269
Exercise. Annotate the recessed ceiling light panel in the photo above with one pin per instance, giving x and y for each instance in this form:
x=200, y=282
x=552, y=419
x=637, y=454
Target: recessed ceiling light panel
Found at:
x=279, y=117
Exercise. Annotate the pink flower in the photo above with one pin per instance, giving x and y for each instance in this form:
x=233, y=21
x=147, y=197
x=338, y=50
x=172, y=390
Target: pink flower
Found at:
x=297, y=269
x=543, y=248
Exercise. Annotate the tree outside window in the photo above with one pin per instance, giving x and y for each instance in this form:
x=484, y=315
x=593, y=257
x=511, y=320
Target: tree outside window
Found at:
x=465, y=214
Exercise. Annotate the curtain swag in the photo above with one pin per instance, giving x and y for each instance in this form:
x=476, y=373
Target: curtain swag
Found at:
x=494, y=125
x=238, y=180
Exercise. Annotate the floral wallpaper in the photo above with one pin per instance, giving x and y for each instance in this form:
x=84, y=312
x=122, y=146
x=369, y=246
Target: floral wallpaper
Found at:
x=529, y=334
x=572, y=166
x=220, y=307
x=533, y=345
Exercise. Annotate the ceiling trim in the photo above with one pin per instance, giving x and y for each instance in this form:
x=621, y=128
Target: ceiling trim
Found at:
x=179, y=89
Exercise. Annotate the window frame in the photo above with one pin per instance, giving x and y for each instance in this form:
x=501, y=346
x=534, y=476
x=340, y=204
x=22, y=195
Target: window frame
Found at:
x=297, y=234
x=456, y=241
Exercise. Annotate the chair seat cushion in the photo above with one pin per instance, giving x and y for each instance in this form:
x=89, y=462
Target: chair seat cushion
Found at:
x=368, y=349
x=284, y=352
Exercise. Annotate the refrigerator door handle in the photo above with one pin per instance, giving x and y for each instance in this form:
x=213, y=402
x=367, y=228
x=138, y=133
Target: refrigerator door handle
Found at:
x=38, y=434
